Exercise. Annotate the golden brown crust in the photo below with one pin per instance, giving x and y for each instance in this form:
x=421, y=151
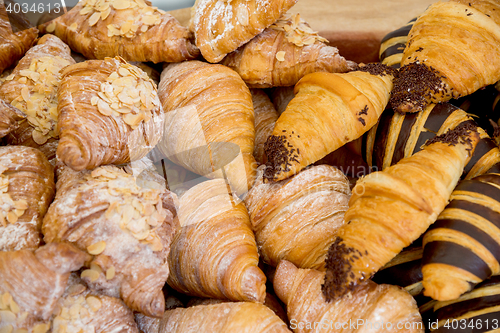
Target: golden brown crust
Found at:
x=9, y=118
x=36, y=280
x=13, y=45
x=224, y=317
x=212, y=131
x=265, y=117
x=215, y=254
x=107, y=30
x=29, y=181
x=351, y=104
x=297, y=219
x=283, y=53
x=32, y=87
x=104, y=212
x=99, y=123
x=220, y=27
x=300, y=290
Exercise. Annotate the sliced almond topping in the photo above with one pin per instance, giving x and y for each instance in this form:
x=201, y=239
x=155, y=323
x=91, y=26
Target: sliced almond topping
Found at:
x=41, y=328
x=7, y=329
x=96, y=267
x=110, y=273
x=94, y=18
x=280, y=55
x=84, y=313
x=14, y=307
x=38, y=137
x=96, y=248
x=76, y=289
x=91, y=274
x=73, y=26
x=21, y=204
x=94, y=303
x=12, y=217
x=121, y=4
x=7, y=316
x=85, y=10
x=74, y=311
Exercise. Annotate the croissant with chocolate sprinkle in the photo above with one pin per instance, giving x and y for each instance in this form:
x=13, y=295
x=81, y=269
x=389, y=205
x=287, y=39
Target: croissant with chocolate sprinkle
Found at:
x=328, y=110
x=390, y=209
x=449, y=54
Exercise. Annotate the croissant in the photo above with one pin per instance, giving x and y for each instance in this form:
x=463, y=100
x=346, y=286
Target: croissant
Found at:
x=131, y=29
x=283, y=53
x=350, y=104
x=13, y=45
x=127, y=229
x=220, y=27
x=109, y=113
x=265, y=118
x=27, y=189
x=397, y=136
x=210, y=122
x=390, y=209
x=224, y=317
x=449, y=54
x=393, y=45
x=461, y=247
x=9, y=118
x=297, y=219
x=215, y=254
x=478, y=306
x=32, y=88
x=81, y=310
x=31, y=283
x=371, y=307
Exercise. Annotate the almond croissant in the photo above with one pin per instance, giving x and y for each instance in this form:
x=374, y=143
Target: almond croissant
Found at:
x=220, y=27
x=31, y=283
x=390, y=209
x=13, y=45
x=370, y=308
x=328, y=110
x=283, y=53
x=209, y=126
x=449, y=54
x=32, y=88
x=297, y=219
x=26, y=191
x=109, y=113
x=131, y=29
x=215, y=254
x=126, y=228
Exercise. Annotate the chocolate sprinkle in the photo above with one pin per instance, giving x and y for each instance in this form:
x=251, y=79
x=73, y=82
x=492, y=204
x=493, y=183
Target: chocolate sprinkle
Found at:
x=363, y=111
x=279, y=154
x=377, y=69
x=415, y=87
x=362, y=121
x=458, y=135
x=339, y=277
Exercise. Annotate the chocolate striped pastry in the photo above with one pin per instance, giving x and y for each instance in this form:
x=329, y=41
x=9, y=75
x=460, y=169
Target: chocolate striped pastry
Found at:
x=397, y=136
x=462, y=248
x=477, y=311
x=393, y=44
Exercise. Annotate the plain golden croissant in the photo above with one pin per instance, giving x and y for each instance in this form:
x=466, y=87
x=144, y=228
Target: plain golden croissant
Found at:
x=209, y=126
x=13, y=45
x=220, y=27
x=215, y=254
x=461, y=247
x=241, y=317
x=131, y=29
x=328, y=110
x=9, y=118
x=32, y=88
x=297, y=219
x=127, y=229
x=283, y=53
x=370, y=308
x=31, y=283
x=109, y=113
x=449, y=54
x=390, y=209
x=265, y=118
x=27, y=189
x=81, y=310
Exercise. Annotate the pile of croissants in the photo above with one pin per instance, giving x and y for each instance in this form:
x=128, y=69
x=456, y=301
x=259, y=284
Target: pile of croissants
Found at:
x=240, y=175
